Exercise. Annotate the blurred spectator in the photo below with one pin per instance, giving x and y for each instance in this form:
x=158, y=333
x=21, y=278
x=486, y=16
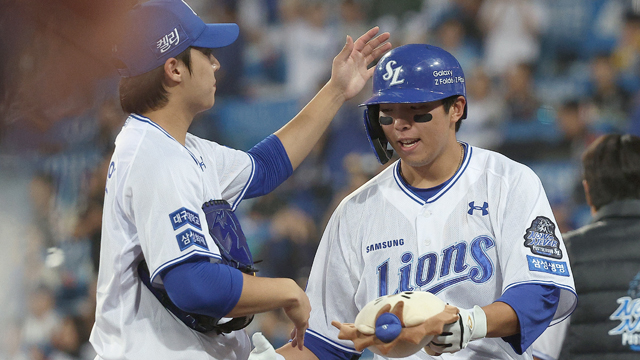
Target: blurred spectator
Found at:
x=290, y=250
x=70, y=341
x=360, y=168
x=521, y=101
x=511, y=33
x=626, y=52
x=110, y=120
x=610, y=103
x=309, y=48
x=451, y=36
x=230, y=79
x=573, y=123
x=467, y=12
x=352, y=18
x=483, y=128
x=42, y=196
x=40, y=322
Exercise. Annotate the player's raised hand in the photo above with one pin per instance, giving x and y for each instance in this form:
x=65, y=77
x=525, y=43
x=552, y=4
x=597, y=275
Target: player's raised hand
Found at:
x=349, y=72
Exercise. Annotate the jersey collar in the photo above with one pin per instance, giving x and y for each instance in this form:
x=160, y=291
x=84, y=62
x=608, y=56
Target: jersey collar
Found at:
x=411, y=193
x=146, y=120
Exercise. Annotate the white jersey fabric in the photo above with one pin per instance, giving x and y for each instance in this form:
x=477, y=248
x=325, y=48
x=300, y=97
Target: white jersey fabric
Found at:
x=153, y=211
x=489, y=229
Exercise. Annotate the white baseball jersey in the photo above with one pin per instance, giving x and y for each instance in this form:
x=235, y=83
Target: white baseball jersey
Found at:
x=489, y=229
x=153, y=210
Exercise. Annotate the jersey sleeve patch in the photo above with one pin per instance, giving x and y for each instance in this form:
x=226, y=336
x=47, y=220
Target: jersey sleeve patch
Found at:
x=191, y=237
x=559, y=268
x=541, y=238
x=184, y=216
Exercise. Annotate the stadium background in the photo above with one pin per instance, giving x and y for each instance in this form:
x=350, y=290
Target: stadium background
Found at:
x=544, y=78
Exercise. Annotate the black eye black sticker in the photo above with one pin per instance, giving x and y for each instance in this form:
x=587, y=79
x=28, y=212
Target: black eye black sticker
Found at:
x=386, y=120
x=422, y=118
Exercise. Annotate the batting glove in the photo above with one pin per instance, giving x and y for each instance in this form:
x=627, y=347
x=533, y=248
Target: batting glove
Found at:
x=471, y=325
x=263, y=350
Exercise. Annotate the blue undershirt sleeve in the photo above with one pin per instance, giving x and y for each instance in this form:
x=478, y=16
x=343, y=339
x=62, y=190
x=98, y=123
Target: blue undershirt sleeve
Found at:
x=201, y=287
x=273, y=166
x=535, y=305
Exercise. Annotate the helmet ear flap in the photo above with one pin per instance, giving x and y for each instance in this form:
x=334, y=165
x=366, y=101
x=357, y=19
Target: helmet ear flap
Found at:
x=375, y=134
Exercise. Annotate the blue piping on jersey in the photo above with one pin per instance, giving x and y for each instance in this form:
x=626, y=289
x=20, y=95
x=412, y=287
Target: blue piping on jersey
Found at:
x=468, y=150
x=181, y=258
x=333, y=343
x=246, y=185
x=148, y=121
x=564, y=287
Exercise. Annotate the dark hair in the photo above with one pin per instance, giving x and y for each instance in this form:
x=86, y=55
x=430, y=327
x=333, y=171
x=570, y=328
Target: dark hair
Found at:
x=612, y=169
x=146, y=92
x=448, y=103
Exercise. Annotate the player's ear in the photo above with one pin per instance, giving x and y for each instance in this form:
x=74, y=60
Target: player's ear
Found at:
x=457, y=109
x=174, y=70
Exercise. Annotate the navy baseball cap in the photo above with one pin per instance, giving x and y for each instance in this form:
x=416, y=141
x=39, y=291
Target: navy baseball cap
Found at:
x=161, y=29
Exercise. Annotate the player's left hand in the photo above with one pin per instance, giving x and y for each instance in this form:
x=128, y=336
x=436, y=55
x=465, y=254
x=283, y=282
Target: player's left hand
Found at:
x=349, y=72
x=471, y=325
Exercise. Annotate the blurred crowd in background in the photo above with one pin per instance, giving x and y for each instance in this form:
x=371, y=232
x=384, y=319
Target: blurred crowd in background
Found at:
x=544, y=78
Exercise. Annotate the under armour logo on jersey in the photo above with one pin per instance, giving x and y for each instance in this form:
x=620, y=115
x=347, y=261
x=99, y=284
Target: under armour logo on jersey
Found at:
x=483, y=208
x=392, y=74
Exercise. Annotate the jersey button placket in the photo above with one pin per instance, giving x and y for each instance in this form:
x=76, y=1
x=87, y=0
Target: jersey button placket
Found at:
x=422, y=224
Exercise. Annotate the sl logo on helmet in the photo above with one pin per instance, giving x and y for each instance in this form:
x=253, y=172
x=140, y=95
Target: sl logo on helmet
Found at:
x=392, y=74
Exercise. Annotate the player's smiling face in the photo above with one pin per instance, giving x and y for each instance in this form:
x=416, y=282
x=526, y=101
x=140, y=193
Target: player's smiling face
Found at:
x=202, y=84
x=419, y=132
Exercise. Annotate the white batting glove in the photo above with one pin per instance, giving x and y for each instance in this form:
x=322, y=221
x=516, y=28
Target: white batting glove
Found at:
x=262, y=349
x=472, y=325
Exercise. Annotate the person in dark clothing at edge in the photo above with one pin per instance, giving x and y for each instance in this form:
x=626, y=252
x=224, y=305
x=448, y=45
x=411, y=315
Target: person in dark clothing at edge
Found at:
x=605, y=259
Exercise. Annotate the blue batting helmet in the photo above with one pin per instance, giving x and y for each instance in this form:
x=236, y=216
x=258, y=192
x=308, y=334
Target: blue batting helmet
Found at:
x=413, y=73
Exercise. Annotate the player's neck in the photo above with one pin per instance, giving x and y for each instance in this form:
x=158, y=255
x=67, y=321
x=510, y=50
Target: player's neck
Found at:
x=437, y=171
x=174, y=121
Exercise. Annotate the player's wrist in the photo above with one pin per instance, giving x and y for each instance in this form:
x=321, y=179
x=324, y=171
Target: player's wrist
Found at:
x=336, y=90
x=478, y=323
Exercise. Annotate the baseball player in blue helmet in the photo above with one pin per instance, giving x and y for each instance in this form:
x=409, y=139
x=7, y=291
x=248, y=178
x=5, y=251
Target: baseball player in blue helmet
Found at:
x=466, y=224
x=176, y=277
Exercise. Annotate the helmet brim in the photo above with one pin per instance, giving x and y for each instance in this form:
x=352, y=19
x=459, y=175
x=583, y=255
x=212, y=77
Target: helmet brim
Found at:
x=405, y=96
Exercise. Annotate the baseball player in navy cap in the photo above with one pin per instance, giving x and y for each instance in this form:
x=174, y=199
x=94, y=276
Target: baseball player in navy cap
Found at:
x=176, y=275
x=466, y=224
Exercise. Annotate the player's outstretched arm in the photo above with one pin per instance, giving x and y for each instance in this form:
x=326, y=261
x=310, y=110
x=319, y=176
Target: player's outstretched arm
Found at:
x=349, y=74
x=260, y=294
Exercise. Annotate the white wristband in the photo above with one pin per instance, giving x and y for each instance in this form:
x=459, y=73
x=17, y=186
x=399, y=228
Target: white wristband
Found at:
x=479, y=323
x=280, y=357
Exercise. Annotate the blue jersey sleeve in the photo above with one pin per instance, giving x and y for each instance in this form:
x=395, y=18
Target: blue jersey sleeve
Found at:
x=535, y=305
x=273, y=166
x=201, y=287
